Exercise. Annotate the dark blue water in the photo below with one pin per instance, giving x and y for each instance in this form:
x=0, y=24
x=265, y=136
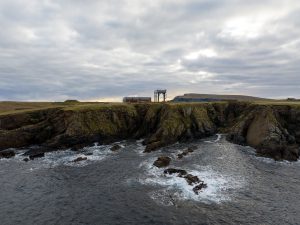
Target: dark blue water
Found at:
x=124, y=188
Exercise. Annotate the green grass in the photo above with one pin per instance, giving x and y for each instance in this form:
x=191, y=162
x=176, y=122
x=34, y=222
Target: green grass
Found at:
x=20, y=107
x=279, y=103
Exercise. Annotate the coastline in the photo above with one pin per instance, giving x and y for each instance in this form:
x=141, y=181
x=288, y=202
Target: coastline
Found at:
x=272, y=129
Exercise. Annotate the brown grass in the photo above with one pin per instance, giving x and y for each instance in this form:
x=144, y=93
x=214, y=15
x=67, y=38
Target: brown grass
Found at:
x=18, y=107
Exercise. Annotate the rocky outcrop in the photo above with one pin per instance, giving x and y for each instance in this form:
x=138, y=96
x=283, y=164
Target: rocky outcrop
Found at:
x=273, y=130
x=115, y=148
x=162, y=161
x=79, y=159
x=7, y=154
x=171, y=171
x=35, y=153
x=186, y=152
x=190, y=179
x=263, y=128
x=181, y=123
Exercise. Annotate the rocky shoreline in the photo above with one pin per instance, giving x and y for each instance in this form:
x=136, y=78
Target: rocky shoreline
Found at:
x=273, y=130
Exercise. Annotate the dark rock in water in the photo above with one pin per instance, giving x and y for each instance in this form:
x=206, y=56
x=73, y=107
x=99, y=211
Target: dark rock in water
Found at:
x=162, y=161
x=199, y=187
x=7, y=154
x=79, y=159
x=192, y=148
x=153, y=146
x=38, y=155
x=184, y=153
x=25, y=159
x=180, y=156
x=178, y=171
x=89, y=153
x=115, y=148
x=191, y=179
x=78, y=147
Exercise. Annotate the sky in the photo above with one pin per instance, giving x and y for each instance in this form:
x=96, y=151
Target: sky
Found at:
x=53, y=50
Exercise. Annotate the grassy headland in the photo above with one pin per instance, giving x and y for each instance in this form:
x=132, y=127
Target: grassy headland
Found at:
x=272, y=127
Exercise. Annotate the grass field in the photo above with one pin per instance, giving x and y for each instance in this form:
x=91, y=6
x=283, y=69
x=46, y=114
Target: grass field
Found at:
x=17, y=107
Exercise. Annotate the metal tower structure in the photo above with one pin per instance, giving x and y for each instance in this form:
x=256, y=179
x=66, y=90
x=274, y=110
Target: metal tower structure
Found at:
x=159, y=92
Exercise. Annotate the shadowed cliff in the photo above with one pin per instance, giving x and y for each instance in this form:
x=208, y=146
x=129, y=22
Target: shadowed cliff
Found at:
x=272, y=129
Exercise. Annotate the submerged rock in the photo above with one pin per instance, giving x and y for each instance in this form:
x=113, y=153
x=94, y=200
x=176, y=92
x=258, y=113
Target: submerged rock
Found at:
x=115, y=148
x=180, y=156
x=199, y=187
x=36, y=153
x=192, y=148
x=191, y=179
x=79, y=159
x=162, y=161
x=25, y=159
x=7, y=154
x=186, y=152
x=180, y=172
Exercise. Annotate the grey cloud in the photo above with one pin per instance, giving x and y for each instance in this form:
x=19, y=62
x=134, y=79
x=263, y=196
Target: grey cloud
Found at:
x=53, y=50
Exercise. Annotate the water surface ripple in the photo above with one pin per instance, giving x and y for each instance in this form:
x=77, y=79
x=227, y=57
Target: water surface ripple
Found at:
x=123, y=187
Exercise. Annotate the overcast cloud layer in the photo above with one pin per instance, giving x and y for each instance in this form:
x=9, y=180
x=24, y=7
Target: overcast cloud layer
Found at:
x=103, y=50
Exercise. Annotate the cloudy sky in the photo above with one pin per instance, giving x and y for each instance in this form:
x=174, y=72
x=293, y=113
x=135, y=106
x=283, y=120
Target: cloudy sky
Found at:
x=103, y=50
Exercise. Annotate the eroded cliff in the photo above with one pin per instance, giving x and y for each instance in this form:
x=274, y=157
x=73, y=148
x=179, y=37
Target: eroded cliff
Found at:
x=273, y=130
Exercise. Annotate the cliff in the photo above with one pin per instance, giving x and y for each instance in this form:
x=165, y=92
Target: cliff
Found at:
x=272, y=129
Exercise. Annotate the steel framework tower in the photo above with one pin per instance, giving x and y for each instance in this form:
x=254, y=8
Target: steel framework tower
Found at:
x=159, y=92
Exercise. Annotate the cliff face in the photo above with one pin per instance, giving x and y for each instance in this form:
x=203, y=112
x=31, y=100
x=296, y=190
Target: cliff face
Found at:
x=273, y=130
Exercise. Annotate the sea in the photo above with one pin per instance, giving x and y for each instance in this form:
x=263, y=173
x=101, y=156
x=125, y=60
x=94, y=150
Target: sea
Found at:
x=123, y=187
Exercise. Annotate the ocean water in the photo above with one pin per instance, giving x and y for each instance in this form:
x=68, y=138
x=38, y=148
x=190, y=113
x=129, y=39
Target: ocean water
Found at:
x=124, y=187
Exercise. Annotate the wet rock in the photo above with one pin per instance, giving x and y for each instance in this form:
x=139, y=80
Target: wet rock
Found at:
x=199, y=187
x=180, y=156
x=162, y=161
x=37, y=152
x=186, y=152
x=25, y=159
x=78, y=147
x=38, y=155
x=115, y=148
x=192, y=148
x=153, y=146
x=79, y=159
x=191, y=179
x=89, y=153
x=7, y=154
x=178, y=171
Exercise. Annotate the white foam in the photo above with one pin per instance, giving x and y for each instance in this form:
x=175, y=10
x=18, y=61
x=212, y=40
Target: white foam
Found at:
x=140, y=148
x=219, y=136
x=66, y=157
x=218, y=188
x=140, y=141
x=273, y=161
